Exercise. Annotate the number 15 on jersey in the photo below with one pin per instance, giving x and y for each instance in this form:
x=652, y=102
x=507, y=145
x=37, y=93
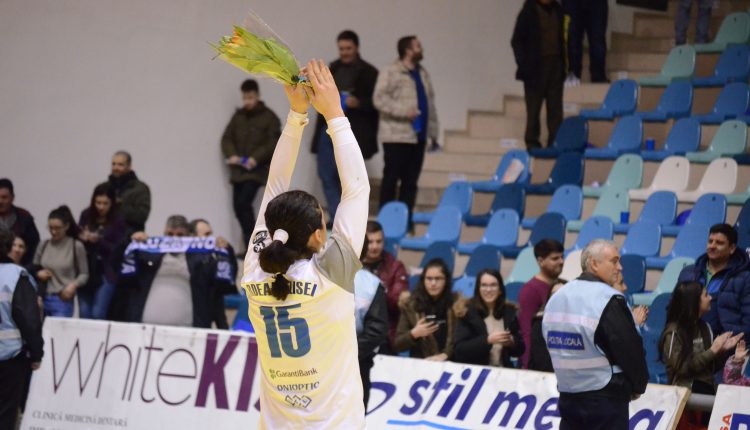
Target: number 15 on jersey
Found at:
x=291, y=335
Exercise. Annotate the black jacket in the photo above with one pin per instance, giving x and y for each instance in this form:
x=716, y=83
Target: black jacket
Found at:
x=539, y=358
x=470, y=337
x=25, y=228
x=526, y=42
x=203, y=285
x=133, y=200
x=26, y=315
x=375, y=332
x=364, y=119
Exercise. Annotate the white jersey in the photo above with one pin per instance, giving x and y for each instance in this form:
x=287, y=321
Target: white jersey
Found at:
x=307, y=343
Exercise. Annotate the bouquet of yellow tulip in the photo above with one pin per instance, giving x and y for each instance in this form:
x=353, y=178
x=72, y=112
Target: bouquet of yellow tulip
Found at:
x=259, y=53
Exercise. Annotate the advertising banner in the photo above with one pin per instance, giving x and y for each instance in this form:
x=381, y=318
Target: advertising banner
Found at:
x=731, y=409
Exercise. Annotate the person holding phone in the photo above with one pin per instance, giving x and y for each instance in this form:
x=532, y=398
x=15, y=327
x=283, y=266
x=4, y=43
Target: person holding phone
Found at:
x=487, y=330
x=425, y=327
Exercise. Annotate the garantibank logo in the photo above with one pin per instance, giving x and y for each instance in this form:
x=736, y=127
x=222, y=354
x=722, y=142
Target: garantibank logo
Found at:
x=299, y=373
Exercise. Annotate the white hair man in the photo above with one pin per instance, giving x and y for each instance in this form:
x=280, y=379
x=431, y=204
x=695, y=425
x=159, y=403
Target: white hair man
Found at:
x=596, y=350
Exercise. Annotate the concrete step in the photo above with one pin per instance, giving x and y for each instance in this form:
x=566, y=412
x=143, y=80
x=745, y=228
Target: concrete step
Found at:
x=626, y=42
x=430, y=179
x=642, y=61
x=653, y=25
x=452, y=162
x=514, y=107
x=462, y=142
x=586, y=94
x=488, y=124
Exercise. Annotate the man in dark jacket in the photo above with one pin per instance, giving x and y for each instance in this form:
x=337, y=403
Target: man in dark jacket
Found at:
x=248, y=143
x=725, y=272
x=21, y=343
x=133, y=196
x=356, y=79
x=538, y=47
x=371, y=317
x=17, y=220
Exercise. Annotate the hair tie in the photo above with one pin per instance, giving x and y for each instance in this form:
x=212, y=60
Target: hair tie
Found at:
x=280, y=235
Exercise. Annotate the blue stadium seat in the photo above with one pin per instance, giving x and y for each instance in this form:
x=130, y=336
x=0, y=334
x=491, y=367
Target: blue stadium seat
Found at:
x=690, y=242
x=626, y=174
x=633, y=273
x=596, y=227
x=444, y=227
x=457, y=194
x=683, y=137
x=676, y=102
x=509, y=196
x=483, y=257
x=643, y=239
x=660, y=207
x=620, y=100
x=501, y=231
x=241, y=318
x=733, y=66
x=442, y=250
x=568, y=170
x=496, y=182
x=743, y=226
x=394, y=218
x=626, y=137
x=732, y=102
x=571, y=136
x=550, y=225
x=513, y=291
x=710, y=209
x=611, y=204
x=567, y=200
x=667, y=281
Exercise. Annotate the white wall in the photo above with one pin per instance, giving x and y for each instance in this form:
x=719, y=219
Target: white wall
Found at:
x=80, y=79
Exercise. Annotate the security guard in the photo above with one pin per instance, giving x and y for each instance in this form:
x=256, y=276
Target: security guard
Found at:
x=20, y=333
x=596, y=350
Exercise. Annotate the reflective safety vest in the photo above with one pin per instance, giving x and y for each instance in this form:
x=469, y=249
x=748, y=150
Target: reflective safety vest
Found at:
x=10, y=337
x=569, y=324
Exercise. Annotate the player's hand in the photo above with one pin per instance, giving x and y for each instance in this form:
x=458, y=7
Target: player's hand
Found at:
x=324, y=95
x=423, y=329
x=298, y=100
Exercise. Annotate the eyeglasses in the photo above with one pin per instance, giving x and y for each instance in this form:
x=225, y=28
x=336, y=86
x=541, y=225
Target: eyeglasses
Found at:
x=490, y=286
x=435, y=279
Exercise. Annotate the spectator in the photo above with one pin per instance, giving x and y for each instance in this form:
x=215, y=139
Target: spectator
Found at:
x=735, y=364
x=102, y=233
x=392, y=274
x=170, y=282
x=355, y=78
x=371, y=323
x=724, y=271
x=17, y=220
x=534, y=293
x=405, y=98
x=425, y=326
x=60, y=264
x=226, y=261
x=133, y=197
x=18, y=250
x=538, y=48
x=589, y=16
x=539, y=358
x=248, y=143
x=682, y=21
x=640, y=313
x=21, y=342
x=487, y=330
x=687, y=344
x=596, y=350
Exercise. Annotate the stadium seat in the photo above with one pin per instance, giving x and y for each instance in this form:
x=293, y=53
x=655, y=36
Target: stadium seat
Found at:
x=733, y=66
x=742, y=225
x=730, y=139
x=720, y=177
x=457, y=194
x=643, y=239
x=735, y=29
x=501, y=231
x=572, y=266
x=442, y=250
x=710, y=209
x=683, y=137
x=690, y=242
x=513, y=291
x=679, y=65
x=394, y=218
x=732, y=103
x=633, y=273
x=444, y=227
x=550, y=225
x=672, y=175
x=506, y=165
x=610, y=204
x=568, y=170
x=660, y=207
x=667, y=281
x=509, y=196
x=621, y=99
x=738, y=198
x=596, y=227
x=657, y=316
x=242, y=318
x=483, y=257
x=571, y=136
x=676, y=102
x=567, y=200
x=626, y=137
x=626, y=174
x=525, y=266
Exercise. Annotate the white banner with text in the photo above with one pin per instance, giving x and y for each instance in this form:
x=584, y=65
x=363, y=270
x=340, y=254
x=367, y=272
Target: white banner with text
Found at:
x=731, y=409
